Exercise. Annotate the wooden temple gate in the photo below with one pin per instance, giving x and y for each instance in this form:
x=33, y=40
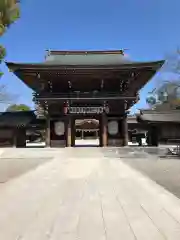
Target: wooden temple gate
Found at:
x=61, y=131
x=80, y=84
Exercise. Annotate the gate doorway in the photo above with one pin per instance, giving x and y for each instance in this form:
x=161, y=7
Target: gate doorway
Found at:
x=87, y=132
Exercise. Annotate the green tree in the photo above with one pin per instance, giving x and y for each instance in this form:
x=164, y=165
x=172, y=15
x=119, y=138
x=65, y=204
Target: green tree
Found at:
x=9, y=13
x=167, y=94
x=18, y=107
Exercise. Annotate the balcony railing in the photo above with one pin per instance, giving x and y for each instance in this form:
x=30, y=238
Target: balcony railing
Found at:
x=82, y=95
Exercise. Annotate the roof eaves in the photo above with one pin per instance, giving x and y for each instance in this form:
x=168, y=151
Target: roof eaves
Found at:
x=50, y=65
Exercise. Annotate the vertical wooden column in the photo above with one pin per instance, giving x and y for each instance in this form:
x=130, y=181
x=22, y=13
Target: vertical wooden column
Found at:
x=96, y=134
x=125, y=130
x=154, y=136
x=73, y=131
x=148, y=137
x=15, y=137
x=104, y=130
x=21, y=137
x=68, y=132
x=48, y=132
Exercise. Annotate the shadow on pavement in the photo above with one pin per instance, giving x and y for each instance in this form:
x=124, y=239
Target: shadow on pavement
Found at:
x=14, y=167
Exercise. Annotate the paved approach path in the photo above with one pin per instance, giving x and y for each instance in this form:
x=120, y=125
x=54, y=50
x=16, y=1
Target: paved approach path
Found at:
x=83, y=195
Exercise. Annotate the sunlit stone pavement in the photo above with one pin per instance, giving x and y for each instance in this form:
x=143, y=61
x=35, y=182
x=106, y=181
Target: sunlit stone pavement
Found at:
x=85, y=194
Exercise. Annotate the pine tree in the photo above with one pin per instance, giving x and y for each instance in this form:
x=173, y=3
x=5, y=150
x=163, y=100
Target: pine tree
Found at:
x=9, y=13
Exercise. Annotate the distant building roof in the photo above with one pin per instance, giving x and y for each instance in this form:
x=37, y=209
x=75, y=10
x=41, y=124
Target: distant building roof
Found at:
x=132, y=119
x=14, y=119
x=159, y=116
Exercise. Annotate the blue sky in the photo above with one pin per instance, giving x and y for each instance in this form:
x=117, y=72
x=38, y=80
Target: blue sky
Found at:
x=147, y=28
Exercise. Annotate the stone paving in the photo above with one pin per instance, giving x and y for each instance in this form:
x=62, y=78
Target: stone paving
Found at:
x=83, y=194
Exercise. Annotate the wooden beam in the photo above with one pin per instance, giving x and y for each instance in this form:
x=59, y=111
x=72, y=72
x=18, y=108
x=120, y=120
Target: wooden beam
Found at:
x=125, y=130
x=104, y=130
x=48, y=132
x=68, y=132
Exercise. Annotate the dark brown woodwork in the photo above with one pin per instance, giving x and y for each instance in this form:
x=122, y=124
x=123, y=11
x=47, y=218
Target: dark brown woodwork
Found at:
x=21, y=138
x=153, y=134
x=104, y=130
x=125, y=131
x=68, y=132
x=73, y=131
x=139, y=80
x=48, y=132
x=32, y=74
x=111, y=81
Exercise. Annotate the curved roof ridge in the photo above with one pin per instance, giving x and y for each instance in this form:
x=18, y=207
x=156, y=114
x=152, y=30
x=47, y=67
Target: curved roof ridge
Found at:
x=84, y=52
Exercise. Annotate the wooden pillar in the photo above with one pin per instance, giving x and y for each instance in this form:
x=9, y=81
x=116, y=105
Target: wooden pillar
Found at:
x=15, y=134
x=125, y=130
x=48, y=132
x=104, y=130
x=73, y=131
x=68, y=132
x=148, y=137
x=96, y=134
x=154, y=136
x=21, y=137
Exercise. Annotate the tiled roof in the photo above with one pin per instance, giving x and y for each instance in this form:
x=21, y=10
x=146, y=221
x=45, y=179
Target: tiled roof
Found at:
x=13, y=119
x=159, y=116
x=131, y=119
x=86, y=57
